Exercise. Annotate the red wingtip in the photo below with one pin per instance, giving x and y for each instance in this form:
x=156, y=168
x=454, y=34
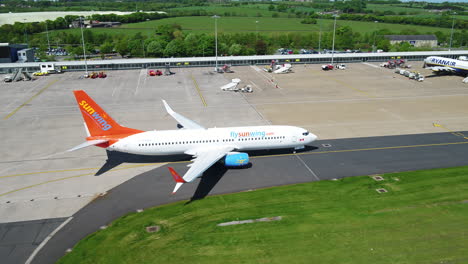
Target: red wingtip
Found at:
x=176, y=176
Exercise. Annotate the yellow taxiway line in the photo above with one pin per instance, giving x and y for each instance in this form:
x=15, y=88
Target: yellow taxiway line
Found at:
x=458, y=134
x=274, y=155
x=29, y=100
x=198, y=91
x=66, y=178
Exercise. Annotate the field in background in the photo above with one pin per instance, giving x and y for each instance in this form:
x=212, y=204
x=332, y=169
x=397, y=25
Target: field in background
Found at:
x=11, y=18
x=422, y=219
x=248, y=24
x=247, y=11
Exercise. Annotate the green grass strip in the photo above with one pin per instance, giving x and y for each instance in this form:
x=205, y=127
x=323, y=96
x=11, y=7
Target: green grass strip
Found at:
x=421, y=219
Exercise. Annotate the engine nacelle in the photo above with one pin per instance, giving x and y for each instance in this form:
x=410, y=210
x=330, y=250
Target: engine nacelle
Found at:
x=237, y=159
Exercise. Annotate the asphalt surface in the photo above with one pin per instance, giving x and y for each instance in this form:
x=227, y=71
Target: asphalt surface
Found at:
x=327, y=160
x=18, y=240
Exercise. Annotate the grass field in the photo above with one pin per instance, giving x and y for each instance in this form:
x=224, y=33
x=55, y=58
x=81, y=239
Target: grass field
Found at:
x=247, y=24
x=396, y=9
x=422, y=219
x=419, y=12
x=247, y=10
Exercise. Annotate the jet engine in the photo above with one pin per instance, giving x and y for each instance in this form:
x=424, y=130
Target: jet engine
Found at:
x=236, y=159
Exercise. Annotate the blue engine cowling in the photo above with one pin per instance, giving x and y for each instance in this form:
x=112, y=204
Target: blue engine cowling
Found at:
x=236, y=160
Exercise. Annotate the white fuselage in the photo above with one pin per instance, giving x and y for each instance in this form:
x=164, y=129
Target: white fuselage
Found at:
x=460, y=67
x=172, y=142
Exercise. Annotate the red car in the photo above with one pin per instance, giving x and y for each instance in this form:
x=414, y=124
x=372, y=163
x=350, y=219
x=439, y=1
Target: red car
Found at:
x=152, y=73
x=327, y=67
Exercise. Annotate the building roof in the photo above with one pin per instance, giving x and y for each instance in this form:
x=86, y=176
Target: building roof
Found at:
x=230, y=59
x=411, y=37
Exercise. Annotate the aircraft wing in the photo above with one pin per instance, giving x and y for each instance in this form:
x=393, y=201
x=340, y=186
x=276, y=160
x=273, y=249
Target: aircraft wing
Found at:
x=441, y=69
x=185, y=122
x=204, y=159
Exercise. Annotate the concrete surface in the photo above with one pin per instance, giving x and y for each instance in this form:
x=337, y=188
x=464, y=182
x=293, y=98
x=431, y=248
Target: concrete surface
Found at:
x=40, y=120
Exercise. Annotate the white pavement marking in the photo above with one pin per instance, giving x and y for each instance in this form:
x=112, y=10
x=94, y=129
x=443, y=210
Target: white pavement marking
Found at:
x=255, y=67
x=142, y=74
x=392, y=114
x=113, y=90
x=257, y=87
x=372, y=65
x=311, y=171
x=256, y=111
x=30, y=259
x=267, y=76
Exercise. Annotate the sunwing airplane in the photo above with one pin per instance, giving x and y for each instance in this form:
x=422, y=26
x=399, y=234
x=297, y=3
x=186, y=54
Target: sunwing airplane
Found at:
x=440, y=64
x=206, y=145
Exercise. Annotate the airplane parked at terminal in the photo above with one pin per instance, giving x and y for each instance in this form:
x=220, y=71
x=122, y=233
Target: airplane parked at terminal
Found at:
x=285, y=68
x=206, y=145
x=446, y=65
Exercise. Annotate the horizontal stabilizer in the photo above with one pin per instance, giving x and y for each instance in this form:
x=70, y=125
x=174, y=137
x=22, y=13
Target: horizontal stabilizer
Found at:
x=179, y=180
x=88, y=143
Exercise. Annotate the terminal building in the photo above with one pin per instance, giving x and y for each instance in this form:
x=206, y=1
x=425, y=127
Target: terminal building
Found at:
x=414, y=40
x=13, y=52
x=127, y=64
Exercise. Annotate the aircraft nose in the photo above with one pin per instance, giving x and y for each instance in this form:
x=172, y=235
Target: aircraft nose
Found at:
x=313, y=137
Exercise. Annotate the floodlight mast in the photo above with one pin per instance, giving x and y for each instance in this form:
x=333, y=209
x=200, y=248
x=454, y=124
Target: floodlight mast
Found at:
x=82, y=41
x=451, y=34
x=216, y=40
x=47, y=31
x=256, y=30
x=333, y=44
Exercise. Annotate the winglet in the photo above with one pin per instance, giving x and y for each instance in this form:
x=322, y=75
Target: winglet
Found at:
x=179, y=180
x=183, y=121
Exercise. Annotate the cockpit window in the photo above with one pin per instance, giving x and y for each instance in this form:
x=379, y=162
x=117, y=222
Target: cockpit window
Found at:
x=305, y=133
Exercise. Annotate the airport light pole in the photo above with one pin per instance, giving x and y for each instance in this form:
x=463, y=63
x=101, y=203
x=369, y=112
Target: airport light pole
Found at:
x=451, y=34
x=47, y=32
x=320, y=35
x=84, y=50
x=373, y=45
x=256, y=30
x=25, y=32
x=333, y=44
x=216, y=40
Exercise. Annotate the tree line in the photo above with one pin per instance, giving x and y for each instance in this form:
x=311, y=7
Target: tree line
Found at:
x=170, y=41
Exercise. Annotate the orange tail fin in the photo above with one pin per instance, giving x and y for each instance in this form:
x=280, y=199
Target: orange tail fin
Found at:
x=99, y=123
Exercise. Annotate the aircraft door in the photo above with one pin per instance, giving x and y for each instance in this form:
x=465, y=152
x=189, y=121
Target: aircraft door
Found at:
x=294, y=139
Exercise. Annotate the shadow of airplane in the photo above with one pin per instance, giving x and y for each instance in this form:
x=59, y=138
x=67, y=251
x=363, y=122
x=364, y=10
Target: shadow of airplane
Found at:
x=115, y=158
x=208, y=180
